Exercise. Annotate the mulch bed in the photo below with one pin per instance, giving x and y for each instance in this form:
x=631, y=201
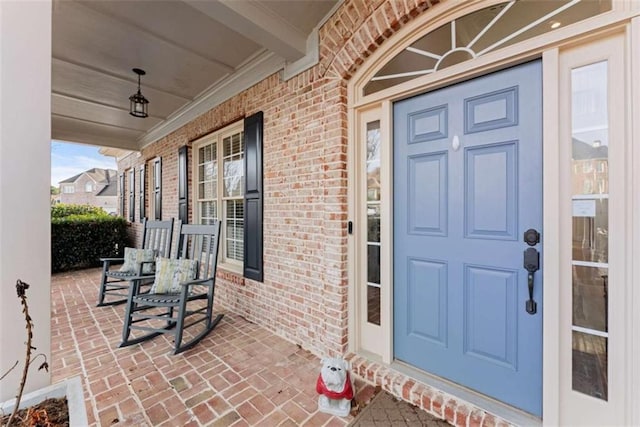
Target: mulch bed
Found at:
x=48, y=413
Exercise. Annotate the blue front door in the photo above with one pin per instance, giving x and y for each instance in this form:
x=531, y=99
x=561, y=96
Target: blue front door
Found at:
x=467, y=185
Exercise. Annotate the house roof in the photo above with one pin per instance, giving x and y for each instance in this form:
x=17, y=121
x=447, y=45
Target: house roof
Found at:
x=584, y=151
x=98, y=175
x=110, y=190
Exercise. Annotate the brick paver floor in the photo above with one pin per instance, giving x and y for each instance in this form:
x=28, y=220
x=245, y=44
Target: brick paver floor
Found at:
x=240, y=374
x=387, y=411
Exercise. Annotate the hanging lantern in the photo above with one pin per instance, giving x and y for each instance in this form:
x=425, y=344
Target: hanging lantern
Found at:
x=138, y=103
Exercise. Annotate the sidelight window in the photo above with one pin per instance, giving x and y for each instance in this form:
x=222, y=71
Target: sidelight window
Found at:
x=373, y=221
x=590, y=242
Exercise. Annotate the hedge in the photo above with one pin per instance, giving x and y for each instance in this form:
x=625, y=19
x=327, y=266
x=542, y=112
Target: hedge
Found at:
x=79, y=241
x=62, y=210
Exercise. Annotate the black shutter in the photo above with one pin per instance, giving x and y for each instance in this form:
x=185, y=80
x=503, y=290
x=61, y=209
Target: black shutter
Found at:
x=132, y=195
x=183, y=182
x=253, y=197
x=121, y=194
x=143, y=188
x=157, y=188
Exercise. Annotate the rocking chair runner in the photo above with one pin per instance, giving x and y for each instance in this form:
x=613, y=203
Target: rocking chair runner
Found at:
x=189, y=303
x=156, y=236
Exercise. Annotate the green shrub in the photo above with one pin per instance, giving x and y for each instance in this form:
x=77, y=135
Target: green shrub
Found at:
x=80, y=240
x=62, y=210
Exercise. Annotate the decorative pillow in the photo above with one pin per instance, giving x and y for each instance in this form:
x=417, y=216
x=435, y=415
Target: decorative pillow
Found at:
x=170, y=273
x=133, y=257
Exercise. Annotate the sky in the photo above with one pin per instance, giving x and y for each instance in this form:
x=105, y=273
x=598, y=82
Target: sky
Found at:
x=69, y=159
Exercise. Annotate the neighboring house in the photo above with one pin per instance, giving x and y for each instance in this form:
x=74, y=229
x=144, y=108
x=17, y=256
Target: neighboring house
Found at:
x=95, y=187
x=418, y=197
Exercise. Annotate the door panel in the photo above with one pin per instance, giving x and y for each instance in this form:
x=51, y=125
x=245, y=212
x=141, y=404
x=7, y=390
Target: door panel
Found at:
x=467, y=184
x=427, y=299
x=491, y=192
x=491, y=335
x=428, y=204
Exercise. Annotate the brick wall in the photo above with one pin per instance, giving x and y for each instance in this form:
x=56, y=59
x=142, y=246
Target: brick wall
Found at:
x=304, y=294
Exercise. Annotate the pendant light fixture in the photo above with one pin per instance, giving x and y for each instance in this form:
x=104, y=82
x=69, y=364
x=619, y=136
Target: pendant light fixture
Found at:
x=138, y=103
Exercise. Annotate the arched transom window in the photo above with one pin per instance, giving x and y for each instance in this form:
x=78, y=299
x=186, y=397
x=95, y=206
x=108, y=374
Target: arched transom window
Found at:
x=479, y=33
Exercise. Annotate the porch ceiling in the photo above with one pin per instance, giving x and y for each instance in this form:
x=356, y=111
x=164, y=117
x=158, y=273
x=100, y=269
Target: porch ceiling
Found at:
x=196, y=54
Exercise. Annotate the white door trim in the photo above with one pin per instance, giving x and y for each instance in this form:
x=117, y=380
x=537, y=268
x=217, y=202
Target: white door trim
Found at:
x=551, y=227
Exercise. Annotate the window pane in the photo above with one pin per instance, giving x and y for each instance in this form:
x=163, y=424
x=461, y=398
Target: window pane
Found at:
x=234, y=229
x=373, y=264
x=209, y=190
x=373, y=161
x=211, y=170
x=207, y=172
x=233, y=165
x=590, y=228
x=373, y=222
x=208, y=212
x=373, y=304
x=589, y=365
x=590, y=296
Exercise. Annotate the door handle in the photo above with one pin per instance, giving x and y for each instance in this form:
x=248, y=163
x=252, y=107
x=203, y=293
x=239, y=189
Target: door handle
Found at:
x=531, y=237
x=531, y=264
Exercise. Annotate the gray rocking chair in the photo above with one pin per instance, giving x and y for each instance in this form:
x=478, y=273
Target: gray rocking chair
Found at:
x=156, y=235
x=188, y=303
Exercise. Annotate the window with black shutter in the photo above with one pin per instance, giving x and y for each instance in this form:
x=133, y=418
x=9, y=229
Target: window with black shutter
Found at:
x=132, y=195
x=183, y=182
x=143, y=188
x=121, y=194
x=156, y=183
x=253, y=204
x=227, y=179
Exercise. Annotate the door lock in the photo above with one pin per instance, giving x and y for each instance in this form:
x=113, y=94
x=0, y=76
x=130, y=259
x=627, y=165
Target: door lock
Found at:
x=531, y=237
x=531, y=264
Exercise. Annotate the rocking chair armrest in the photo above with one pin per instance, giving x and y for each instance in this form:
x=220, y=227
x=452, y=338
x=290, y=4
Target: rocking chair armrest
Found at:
x=141, y=277
x=197, y=282
x=111, y=260
x=141, y=265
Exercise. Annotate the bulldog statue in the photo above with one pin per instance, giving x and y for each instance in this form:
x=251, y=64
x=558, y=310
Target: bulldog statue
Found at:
x=335, y=388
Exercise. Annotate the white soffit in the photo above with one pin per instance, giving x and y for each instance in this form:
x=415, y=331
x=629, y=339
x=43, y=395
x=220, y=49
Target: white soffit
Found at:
x=197, y=54
x=261, y=67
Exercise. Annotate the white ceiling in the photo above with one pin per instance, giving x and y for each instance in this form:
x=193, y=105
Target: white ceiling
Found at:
x=196, y=54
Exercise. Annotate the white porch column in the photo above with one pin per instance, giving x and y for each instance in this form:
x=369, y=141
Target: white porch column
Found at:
x=25, y=169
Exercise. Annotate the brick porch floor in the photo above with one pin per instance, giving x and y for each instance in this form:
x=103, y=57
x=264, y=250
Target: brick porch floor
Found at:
x=241, y=374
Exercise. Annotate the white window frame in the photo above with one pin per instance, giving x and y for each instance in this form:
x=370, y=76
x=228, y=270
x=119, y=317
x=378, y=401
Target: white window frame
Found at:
x=88, y=187
x=217, y=138
x=68, y=189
